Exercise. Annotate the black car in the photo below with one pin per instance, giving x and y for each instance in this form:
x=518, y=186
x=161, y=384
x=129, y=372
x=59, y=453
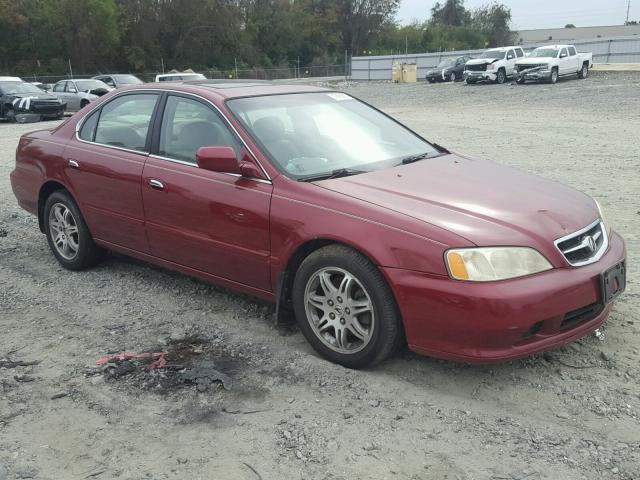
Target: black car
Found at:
x=21, y=101
x=448, y=70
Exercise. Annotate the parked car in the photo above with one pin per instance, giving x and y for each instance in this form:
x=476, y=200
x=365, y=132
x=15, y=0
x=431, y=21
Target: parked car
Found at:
x=311, y=199
x=177, y=77
x=21, y=101
x=448, y=70
x=77, y=93
x=550, y=63
x=119, y=80
x=494, y=65
x=41, y=86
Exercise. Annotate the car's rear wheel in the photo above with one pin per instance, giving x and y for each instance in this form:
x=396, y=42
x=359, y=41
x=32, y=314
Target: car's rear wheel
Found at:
x=501, y=76
x=67, y=233
x=584, y=72
x=345, y=308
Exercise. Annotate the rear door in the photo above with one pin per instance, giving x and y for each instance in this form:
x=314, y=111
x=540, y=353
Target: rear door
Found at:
x=213, y=222
x=565, y=62
x=105, y=163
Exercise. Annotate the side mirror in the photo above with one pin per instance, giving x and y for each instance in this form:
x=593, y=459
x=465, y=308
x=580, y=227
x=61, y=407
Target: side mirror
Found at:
x=218, y=159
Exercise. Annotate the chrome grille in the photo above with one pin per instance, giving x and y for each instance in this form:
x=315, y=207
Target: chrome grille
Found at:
x=477, y=68
x=584, y=246
x=528, y=67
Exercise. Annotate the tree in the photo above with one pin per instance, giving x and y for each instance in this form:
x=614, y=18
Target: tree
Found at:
x=452, y=13
x=494, y=21
x=569, y=25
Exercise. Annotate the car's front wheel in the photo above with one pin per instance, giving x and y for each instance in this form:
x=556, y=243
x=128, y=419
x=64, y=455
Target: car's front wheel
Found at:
x=554, y=76
x=67, y=233
x=345, y=308
x=452, y=77
x=501, y=77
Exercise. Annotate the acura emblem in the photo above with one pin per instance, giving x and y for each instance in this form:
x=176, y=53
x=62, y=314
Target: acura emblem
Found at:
x=591, y=243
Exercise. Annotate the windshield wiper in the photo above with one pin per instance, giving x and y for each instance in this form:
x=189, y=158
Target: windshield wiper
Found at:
x=340, y=172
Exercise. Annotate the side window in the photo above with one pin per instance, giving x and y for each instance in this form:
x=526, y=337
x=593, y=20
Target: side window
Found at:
x=572, y=51
x=59, y=87
x=511, y=55
x=187, y=125
x=109, y=81
x=563, y=53
x=519, y=53
x=124, y=121
x=71, y=87
x=88, y=130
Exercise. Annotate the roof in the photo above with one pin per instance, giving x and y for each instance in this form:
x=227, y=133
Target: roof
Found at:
x=527, y=37
x=234, y=88
x=557, y=47
x=504, y=49
x=10, y=79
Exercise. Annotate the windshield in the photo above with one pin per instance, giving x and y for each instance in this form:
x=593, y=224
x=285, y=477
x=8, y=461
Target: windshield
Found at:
x=11, y=88
x=544, y=52
x=449, y=62
x=312, y=134
x=492, y=54
x=128, y=79
x=88, y=85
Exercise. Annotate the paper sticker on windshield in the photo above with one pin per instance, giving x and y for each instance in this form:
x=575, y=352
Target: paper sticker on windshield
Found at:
x=341, y=97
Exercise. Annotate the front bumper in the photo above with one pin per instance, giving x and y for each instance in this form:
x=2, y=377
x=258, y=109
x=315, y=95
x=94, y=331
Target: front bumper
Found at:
x=506, y=320
x=538, y=75
x=489, y=75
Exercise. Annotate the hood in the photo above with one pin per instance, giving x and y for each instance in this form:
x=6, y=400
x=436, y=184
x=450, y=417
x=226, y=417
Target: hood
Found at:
x=534, y=61
x=34, y=96
x=482, y=201
x=482, y=61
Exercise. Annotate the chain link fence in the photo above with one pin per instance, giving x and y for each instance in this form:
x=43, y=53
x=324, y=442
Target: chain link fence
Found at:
x=256, y=73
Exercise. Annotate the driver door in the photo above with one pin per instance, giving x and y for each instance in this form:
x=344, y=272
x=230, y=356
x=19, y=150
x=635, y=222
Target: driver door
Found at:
x=212, y=222
x=510, y=62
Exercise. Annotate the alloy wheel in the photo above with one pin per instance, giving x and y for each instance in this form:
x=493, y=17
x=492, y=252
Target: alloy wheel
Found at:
x=339, y=310
x=64, y=231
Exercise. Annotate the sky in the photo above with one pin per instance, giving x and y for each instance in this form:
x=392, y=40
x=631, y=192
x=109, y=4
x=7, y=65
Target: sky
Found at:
x=530, y=14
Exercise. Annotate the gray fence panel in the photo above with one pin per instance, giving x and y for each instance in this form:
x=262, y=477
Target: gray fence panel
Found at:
x=605, y=50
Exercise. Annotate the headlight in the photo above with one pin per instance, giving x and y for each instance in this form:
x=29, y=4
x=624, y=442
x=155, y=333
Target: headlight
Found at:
x=603, y=218
x=491, y=66
x=494, y=263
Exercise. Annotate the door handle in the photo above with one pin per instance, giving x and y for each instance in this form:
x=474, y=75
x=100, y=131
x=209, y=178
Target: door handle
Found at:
x=156, y=184
x=73, y=163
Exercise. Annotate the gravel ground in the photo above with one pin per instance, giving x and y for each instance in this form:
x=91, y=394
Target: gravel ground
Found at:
x=570, y=414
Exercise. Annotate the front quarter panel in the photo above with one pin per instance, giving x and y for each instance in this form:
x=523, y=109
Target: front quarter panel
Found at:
x=303, y=212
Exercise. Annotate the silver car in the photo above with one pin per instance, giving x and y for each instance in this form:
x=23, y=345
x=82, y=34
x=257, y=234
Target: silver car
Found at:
x=79, y=92
x=119, y=80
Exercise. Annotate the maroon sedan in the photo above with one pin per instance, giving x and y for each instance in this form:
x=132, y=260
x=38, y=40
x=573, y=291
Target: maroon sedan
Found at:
x=311, y=199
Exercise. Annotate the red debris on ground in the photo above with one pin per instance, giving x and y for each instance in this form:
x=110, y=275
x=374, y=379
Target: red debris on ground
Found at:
x=159, y=362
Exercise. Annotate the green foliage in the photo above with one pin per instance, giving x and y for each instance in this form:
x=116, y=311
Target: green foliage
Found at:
x=42, y=36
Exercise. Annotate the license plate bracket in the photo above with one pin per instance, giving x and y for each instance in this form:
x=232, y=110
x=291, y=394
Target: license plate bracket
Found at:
x=613, y=282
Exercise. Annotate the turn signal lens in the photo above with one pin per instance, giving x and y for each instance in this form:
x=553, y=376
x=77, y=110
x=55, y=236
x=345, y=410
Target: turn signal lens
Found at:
x=456, y=266
x=494, y=263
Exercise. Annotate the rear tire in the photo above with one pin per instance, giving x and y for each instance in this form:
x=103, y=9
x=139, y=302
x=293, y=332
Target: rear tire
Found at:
x=345, y=308
x=584, y=72
x=67, y=233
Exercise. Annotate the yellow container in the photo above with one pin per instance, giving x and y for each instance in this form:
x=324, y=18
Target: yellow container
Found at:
x=409, y=73
x=396, y=72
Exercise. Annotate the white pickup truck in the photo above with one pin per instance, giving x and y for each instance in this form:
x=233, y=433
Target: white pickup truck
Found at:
x=551, y=62
x=494, y=65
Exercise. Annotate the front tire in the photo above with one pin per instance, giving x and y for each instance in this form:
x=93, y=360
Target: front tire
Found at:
x=554, y=76
x=452, y=77
x=67, y=233
x=501, y=77
x=345, y=308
